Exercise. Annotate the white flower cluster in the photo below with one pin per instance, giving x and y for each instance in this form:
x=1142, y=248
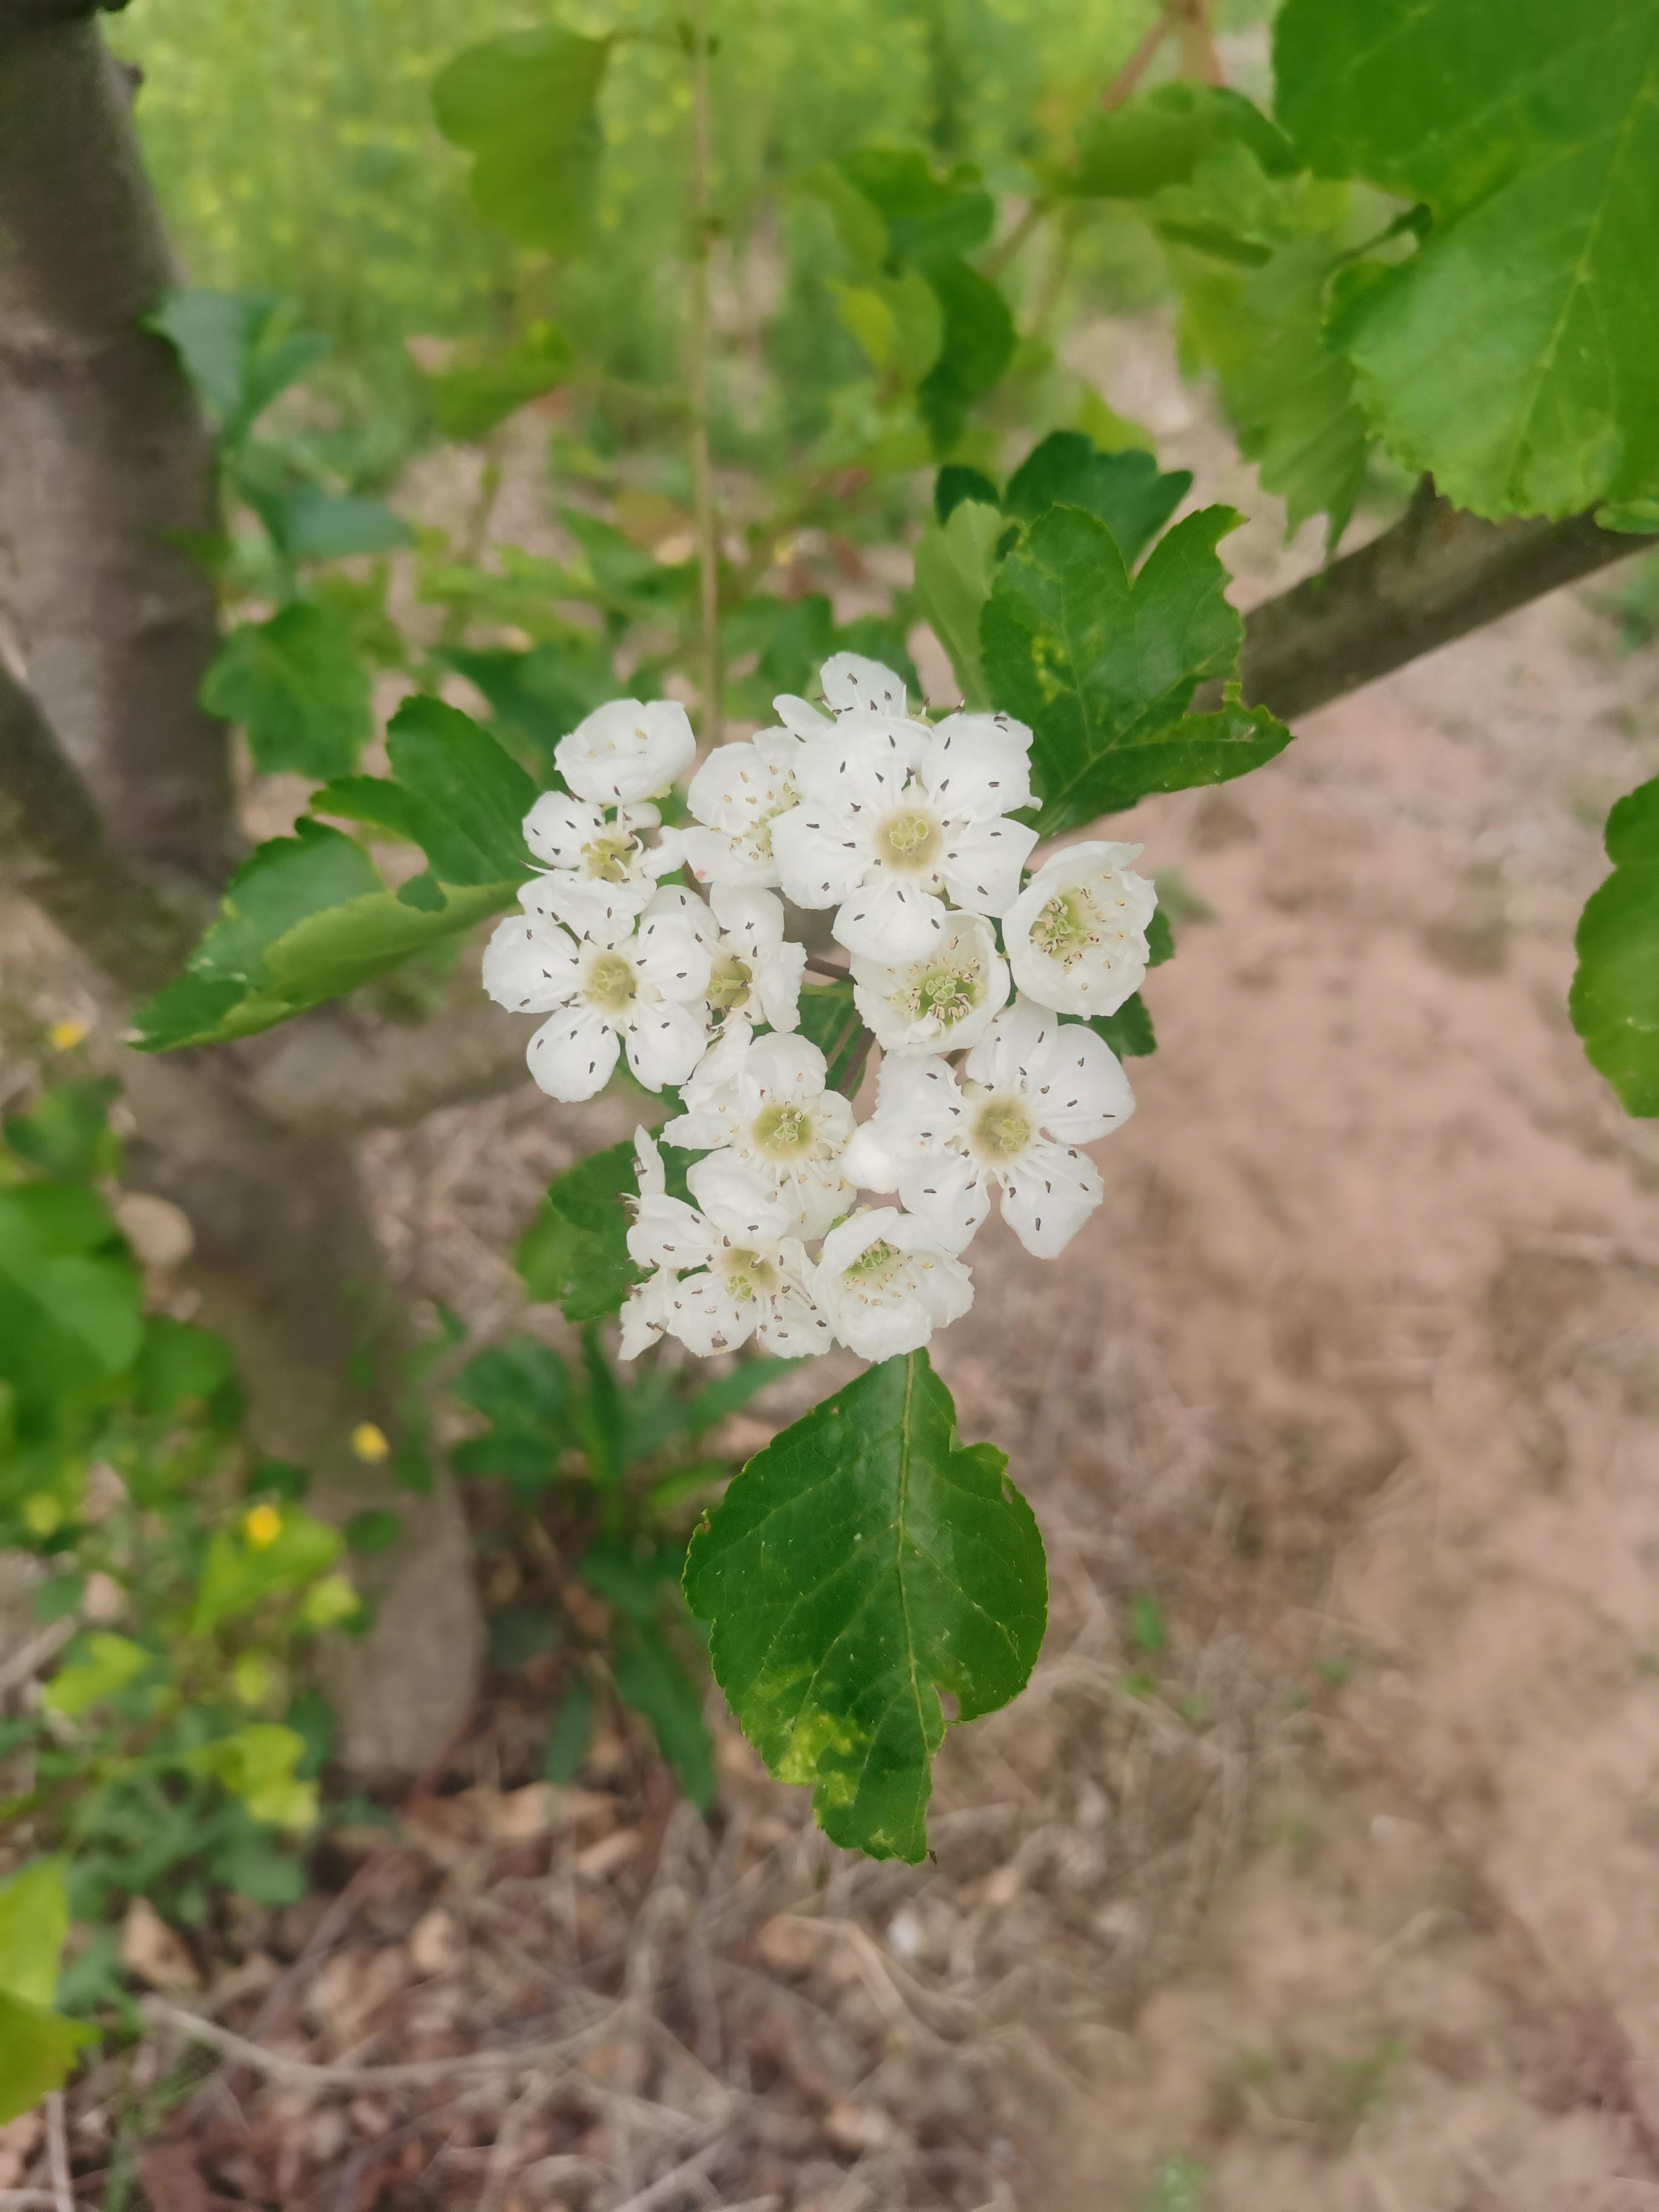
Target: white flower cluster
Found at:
x=904, y=829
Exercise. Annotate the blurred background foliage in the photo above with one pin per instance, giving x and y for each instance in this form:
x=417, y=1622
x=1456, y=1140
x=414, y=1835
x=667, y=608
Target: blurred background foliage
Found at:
x=356, y=208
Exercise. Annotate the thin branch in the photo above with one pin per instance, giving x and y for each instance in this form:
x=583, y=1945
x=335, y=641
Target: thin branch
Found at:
x=52, y=848
x=699, y=339
x=1436, y=576
x=1141, y=60
x=415, y=2073
x=1198, y=57
x=57, y=2154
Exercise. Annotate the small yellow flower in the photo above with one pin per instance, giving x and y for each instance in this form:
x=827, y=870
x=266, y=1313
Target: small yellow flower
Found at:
x=369, y=1443
x=64, y=1037
x=262, y=1526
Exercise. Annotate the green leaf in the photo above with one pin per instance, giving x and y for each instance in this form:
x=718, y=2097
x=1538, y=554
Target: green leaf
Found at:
x=1103, y=666
x=1638, y=517
x=34, y=1923
x=259, y=1765
x=307, y=918
x=525, y=105
x=522, y=1384
x=38, y=2051
x=574, y=1254
x=1133, y=151
x=66, y=1131
x=374, y=1531
x=72, y=1302
x=240, y=1573
x=1128, y=1031
x=956, y=483
x=330, y=525
x=650, y=1678
x=830, y=1020
x=1614, y=1002
x=570, y=1735
x=470, y=398
x=1289, y=391
x=106, y=1665
x=180, y=1365
x=1127, y=489
x=299, y=688
x=860, y=1565
x=733, y=1391
x=926, y=216
x=977, y=346
x=235, y=351
x=955, y=565
x=1531, y=132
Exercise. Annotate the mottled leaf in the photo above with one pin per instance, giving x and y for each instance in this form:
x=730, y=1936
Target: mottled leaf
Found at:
x=861, y=1566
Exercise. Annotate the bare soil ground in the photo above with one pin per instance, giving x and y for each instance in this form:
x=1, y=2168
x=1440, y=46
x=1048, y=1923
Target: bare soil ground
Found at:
x=1318, y=1871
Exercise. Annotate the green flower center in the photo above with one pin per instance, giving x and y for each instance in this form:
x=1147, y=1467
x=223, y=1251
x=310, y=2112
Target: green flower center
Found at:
x=608, y=858
x=730, y=984
x=1067, y=928
x=908, y=840
x=611, y=983
x=1002, y=1128
x=748, y=1274
x=784, y=1132
x=874, y=1264
x=947, y=994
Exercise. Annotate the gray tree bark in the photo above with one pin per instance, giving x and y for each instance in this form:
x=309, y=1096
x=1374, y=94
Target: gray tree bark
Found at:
x=115, y=815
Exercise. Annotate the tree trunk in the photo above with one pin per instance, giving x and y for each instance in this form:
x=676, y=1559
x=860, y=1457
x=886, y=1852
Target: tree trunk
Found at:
x=103, y=458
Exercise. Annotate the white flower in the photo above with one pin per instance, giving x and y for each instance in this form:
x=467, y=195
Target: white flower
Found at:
x=722, y=1271
x=1033, y=1090
x=626, y=751
x=754, y=971
x=1077, y=934
x=885, y=1285
x=735, y=797
x=598, y=866
x=763, y=1101
x=884, y=826
x=851, y=685
x=942, y=1002
x=645, y=990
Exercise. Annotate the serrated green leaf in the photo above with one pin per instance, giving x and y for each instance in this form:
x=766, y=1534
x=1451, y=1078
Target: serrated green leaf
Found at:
x=955, y=565
x=235, y=350
x=1531, y=131
x=1288, y=389
x=575, y=1251
x=1127, y=489
x=976, y=346
x=1614, y=1001
x=1128, y=1031
x=471, y=397
x=1133, y=151
x=34, y=1923
x=297, y=686
x=526, y=105
x=651, y=1680
x=309, y=918
x=860, y=1565
x=38, y=2051
x=1103, y=665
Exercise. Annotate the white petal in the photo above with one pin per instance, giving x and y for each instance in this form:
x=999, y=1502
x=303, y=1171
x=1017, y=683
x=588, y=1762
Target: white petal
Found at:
x=1077, y=1084
x=558, y=826
x=777, y=984
x=792, y=1327
x=982, y=863
x=861, y=770
x=572, y=1057
x=1047, y=1194
x=708, y=1316
x=978, y=767
x=667, y=1232
x=1012, y=1043
x=850, y=681
x=737, y=788
x=800, y=717
x=671, y=957
x=604, y=912
x=948, y=1194
x=674, y=899
x=819, y=863
x=665, y=1043
x=754, y=917
x=790, y=1068
x=887, y=920
x=648, y=1175
x=627, y=750
x=714, y=857
x=646, y=1315
x=738, y=1201
x=818, y=1192
x=918, y=1106
x=529, y=967
x=868, y=1163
